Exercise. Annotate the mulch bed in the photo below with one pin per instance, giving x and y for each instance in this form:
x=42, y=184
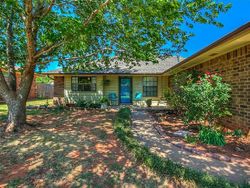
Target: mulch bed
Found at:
x=170, y=122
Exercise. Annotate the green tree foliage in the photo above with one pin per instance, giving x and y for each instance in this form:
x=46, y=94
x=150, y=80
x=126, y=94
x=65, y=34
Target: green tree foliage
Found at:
x=44, y=80
x=89, y=31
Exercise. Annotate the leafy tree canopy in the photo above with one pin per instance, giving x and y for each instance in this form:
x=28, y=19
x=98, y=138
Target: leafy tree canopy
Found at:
x=75, y=33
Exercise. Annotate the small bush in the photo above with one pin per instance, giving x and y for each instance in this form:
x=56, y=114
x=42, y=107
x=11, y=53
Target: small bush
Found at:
x=191, y=139
x=81, y=103
x=94, y=105
x=87, y=104
x=172, y=99
x=59, y=108
x=238, y=133
x=104, y=100
x=149, y=102
x=209, y=135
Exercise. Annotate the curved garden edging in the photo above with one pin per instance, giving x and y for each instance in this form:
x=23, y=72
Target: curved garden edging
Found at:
x=183, y=146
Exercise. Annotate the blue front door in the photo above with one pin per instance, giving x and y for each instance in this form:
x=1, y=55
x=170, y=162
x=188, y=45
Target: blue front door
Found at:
x=125, y=90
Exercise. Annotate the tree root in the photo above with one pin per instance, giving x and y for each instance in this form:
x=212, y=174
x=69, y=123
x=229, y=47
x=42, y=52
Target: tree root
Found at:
x=11, y=127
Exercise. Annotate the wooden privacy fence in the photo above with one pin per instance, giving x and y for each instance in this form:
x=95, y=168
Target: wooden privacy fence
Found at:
x=45, y=91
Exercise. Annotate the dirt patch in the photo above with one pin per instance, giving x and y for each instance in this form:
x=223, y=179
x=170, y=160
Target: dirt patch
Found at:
x=72, y=148
x=20, y=170
x=170, y=122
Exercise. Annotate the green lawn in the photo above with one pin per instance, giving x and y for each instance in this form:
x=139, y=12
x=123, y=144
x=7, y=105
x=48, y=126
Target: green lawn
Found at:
x=4, y=109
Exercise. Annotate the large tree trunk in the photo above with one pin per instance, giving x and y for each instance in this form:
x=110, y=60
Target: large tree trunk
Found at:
x=16, y=115
x=17, y=103
x=14, y=96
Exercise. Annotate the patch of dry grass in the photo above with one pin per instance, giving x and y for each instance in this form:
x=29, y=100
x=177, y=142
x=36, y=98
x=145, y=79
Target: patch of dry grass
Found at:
x=72, y=149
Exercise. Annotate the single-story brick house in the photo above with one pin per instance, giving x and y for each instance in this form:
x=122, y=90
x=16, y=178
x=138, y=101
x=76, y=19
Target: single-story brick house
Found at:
x=123, y=83
x=230, y=56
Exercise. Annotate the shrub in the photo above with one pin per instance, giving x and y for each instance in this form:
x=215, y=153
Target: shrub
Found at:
x=104, y=100
x=87, y=104
x=191, y=139
x=201, y=98
x=172, y=99
x=94, y=105
x=238, y=133
x=209, y=135
x=149, y=102
x=81, y=103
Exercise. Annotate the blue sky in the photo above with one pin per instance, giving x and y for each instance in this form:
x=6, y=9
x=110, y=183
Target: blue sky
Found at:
x=238, y=15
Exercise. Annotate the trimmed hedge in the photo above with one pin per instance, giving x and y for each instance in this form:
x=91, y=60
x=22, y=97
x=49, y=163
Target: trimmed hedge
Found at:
x=162, y=166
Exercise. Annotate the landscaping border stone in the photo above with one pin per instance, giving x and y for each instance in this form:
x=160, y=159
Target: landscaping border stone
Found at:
x=182, y=145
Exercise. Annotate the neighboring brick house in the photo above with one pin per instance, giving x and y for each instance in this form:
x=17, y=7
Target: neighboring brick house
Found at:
x=33, y=90
x=230, y=56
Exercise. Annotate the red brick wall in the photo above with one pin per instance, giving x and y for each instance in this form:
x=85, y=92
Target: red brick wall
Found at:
x=58, y=86
x=58, y=98
x=234, y=67
x=33, y=90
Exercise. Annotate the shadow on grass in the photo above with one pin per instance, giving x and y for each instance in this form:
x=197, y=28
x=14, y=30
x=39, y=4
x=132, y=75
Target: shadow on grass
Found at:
x=71, y=149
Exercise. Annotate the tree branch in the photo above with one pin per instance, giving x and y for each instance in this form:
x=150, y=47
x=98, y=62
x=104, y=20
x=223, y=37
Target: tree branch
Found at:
x=28, y=73
x=10, y=53
x=95, y=12
x=44, y=11
x=47, y=49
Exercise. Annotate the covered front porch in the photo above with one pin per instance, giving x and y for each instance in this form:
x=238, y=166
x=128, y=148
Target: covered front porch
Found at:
x=118, y=89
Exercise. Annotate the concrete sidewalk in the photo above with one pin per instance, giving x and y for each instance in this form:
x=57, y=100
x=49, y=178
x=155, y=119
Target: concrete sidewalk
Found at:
x=144, y=130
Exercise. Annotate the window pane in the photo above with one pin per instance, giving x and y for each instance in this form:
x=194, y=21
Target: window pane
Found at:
x=150, y=86
x=80, y=87
x=74, y=87
x=74, y=79
x=84, y=80
x=87, y=87
x=80, y=83
x=93, y=79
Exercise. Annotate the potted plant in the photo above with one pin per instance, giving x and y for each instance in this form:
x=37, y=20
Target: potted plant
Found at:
x=104, y=103
x=149, y=102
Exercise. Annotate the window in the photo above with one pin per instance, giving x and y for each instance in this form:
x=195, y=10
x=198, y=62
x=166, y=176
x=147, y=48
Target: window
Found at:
x=83, y=83
x=150, y=86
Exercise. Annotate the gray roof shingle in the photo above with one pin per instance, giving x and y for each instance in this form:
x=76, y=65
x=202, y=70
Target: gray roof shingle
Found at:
x=123, y=68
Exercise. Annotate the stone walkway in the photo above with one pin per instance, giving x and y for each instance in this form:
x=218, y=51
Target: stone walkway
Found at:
x=144, y=130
